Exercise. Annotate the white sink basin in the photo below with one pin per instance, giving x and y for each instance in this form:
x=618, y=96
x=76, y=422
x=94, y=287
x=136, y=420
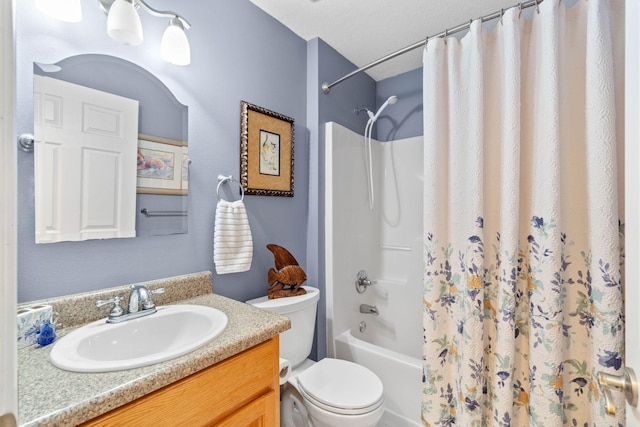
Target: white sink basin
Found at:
x=172, y=331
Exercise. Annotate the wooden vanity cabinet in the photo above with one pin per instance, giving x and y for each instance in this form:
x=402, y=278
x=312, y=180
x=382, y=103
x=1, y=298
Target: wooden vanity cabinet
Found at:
x=242, y=391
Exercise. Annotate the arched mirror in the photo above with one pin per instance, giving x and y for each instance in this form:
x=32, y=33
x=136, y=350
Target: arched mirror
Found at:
x=111, y=154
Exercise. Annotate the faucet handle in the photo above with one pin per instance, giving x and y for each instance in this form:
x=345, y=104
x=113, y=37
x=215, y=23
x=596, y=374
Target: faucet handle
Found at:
x=363, y=282
x=116, y=310
x=149, y=304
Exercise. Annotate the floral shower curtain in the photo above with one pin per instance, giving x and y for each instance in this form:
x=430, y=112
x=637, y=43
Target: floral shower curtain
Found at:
x=523, y=298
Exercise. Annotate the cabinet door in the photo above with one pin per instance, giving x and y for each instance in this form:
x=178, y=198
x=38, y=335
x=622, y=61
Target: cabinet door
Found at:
x=259, y=413
x=210, y=396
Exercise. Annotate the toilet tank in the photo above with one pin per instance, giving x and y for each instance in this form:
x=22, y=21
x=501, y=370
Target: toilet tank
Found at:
x=295, y=343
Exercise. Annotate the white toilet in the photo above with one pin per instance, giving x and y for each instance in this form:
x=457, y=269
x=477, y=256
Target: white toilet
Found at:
x=329, y=393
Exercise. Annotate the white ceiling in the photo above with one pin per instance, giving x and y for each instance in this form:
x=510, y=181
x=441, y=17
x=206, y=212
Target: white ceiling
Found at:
x=366, y=30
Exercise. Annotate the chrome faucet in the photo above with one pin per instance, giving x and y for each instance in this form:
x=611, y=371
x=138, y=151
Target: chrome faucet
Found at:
x=141, y=295
x=140, y=304
x=369, y=309
x=363, y=282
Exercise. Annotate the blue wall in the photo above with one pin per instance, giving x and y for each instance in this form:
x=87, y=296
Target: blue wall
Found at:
x=404, y=118
x=238, y=53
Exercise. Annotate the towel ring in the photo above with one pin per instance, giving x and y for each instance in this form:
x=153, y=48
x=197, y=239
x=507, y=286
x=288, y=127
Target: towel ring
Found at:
x=222, y=179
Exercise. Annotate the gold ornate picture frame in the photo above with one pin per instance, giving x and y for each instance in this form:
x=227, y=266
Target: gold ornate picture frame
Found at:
x=266, y=152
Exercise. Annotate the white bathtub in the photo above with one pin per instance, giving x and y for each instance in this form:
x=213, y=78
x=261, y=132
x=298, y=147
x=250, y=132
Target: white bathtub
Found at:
x=401, y=377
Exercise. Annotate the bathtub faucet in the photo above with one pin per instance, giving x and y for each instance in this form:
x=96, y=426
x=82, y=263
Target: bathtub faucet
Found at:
x=369, y=309
x=363, y=282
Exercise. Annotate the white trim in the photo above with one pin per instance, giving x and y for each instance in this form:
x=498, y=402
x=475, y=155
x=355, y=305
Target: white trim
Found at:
x=328, y=236
x=8, y=174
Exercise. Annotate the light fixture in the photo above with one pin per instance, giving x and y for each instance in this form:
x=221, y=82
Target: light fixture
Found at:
x=174, y=47
x=64, y=10
x=123, y=25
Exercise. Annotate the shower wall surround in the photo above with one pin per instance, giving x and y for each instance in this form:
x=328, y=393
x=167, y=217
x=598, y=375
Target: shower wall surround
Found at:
x=405, y=118
x=324, y=64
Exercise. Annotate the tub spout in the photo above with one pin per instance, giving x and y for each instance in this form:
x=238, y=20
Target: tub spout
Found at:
x=369, y=309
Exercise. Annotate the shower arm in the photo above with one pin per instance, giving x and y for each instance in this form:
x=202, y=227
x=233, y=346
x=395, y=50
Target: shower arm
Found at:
x=357, y=111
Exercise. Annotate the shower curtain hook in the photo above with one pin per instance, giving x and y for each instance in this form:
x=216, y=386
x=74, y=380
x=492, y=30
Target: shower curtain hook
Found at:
x=537, y=6
x=501, y=15
x=446, y=34
x=520, y=9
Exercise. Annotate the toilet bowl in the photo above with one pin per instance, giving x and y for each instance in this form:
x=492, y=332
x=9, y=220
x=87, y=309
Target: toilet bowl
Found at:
x=332, y=393
x=329, y=393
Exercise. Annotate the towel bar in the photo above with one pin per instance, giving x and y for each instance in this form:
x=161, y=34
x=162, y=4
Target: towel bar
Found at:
x=147, y=212
x=222, y=179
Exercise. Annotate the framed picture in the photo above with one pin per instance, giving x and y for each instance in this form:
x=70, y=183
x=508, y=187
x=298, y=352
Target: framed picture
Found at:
x=162, y=166
x=266, y=152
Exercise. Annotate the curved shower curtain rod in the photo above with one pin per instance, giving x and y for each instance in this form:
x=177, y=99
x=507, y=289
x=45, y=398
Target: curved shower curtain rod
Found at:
x=326, y=87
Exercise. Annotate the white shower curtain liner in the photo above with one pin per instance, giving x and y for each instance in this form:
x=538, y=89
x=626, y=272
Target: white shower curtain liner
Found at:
x=523, y=195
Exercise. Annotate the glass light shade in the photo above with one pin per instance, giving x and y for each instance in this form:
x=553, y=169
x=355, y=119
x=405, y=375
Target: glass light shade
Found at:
x=64, y=10
x=174, y=47
x=123, y=23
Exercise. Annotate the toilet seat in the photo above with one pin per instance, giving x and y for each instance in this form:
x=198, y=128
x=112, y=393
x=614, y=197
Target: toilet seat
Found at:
x=341, y=387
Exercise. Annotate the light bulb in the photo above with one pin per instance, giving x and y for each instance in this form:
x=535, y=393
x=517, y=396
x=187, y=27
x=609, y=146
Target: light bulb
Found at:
x=174, y=47
x=123, y=23
x=64, y=10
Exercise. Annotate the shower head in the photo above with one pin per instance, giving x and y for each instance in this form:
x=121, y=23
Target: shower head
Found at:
x=390, y=101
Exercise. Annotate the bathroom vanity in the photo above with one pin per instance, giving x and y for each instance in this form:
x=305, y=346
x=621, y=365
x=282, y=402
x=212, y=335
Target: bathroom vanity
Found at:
x=240, y=391
x=231, y=381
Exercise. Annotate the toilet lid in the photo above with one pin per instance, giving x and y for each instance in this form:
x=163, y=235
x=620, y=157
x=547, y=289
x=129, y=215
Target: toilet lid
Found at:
x=341, y=386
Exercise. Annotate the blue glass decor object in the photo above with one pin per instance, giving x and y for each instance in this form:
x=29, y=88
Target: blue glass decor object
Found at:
x=47, y=334
x=30, y=320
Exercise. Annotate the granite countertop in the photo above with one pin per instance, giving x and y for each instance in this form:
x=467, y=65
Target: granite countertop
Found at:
x=54, y=397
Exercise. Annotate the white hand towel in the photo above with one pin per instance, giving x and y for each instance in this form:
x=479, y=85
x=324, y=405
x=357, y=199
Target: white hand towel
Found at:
x=232, y=241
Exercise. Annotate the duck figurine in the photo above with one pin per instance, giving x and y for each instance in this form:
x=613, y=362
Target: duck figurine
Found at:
x=286, y=278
